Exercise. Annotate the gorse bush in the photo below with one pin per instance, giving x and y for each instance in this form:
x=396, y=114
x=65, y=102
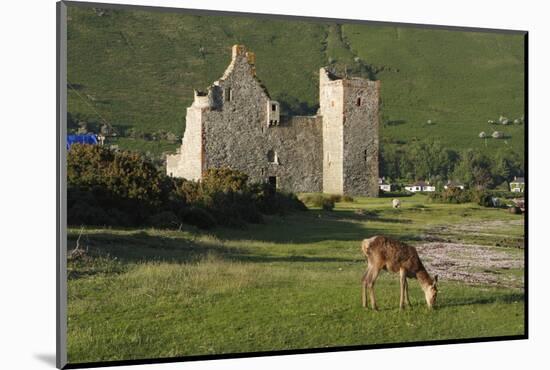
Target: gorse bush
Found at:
x=125, y=186
x=224, y=194
x=126, y=189
x=272, y=202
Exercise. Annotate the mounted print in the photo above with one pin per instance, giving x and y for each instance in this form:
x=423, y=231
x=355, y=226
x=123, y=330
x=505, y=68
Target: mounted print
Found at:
x=235, y=185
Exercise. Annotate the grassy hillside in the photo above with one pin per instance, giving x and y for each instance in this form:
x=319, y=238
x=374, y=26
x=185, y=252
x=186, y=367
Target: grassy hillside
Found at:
x=138, y=69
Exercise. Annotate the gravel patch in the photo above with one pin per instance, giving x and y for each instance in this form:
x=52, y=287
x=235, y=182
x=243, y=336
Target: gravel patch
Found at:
x=473, y=264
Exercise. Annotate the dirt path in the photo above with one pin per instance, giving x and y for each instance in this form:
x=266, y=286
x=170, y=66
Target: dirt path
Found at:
x=453, y=259
x=473, y=264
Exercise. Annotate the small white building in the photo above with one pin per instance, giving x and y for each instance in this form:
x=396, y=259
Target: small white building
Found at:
x=453, y=185
x=383, y=185
x=420, y=186
x=518, y=185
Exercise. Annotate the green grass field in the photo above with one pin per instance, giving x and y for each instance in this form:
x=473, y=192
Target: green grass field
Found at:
x=138, y=70
x=291, y=283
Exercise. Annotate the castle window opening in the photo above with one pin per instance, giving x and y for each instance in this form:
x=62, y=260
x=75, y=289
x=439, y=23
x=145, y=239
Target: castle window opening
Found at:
x=274, y=107
x=358, y=102
x=365, y=155
x=227, y=94
x=272, y=157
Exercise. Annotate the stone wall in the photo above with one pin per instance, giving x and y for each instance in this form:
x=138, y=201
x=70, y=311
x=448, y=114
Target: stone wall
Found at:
x=237, y=134
x=350, y=134
x=298, y=145
x=360, y=157
x=235, y=128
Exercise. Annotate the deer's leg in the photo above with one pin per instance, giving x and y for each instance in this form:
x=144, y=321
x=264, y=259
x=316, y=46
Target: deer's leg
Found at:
x=402, y=286
x=364, y=289
x=371, y=279
x=407, y=301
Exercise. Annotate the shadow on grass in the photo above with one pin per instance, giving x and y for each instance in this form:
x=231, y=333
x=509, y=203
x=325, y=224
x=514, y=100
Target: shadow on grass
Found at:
x=109, y=252
x=421, y=305
x=315, y=226
x=504, y=298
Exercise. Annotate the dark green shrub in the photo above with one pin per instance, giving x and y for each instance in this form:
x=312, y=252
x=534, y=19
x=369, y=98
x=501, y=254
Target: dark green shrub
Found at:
x=316, y=200
x=127, y=189
x=451, y=195
x=164, y=220
x=328, y=204
x=307, y=198
x=483, y=198
x=335, y=198
x=82, y=213
x=272, y=202
x=325, y=202
x=224, y=180
x=190, y=191
x=119, y=218
x=198, y=217
x=124, y=181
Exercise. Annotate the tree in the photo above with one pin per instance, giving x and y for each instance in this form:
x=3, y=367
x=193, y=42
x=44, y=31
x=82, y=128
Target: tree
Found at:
x=474, y=168
x=506, y=165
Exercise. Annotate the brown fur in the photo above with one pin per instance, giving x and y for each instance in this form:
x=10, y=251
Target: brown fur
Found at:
x=384, y=253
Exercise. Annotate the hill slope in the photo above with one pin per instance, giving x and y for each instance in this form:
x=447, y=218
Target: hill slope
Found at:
x=137, y=69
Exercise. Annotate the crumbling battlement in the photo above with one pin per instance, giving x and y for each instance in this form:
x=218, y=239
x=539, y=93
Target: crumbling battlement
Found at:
x=236, y=124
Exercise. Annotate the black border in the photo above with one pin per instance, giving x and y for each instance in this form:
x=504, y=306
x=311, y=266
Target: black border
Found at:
x=60, y=120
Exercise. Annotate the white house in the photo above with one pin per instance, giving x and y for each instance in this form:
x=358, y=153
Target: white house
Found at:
x=453, y=185
x=420, y=186
x=383, y=185
x=518, y=185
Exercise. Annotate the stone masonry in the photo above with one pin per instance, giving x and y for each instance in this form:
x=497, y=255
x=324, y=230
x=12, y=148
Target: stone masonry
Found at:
x=237, y=125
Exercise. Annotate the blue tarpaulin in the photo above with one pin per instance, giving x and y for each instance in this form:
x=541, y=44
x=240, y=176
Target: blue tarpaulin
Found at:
x=81, y=139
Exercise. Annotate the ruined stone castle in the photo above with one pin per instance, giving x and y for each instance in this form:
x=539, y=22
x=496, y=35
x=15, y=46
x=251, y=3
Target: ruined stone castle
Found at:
x=237, y=125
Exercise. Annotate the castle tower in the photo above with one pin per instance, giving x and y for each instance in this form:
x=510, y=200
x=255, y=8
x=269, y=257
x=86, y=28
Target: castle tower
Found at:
x=349, y=108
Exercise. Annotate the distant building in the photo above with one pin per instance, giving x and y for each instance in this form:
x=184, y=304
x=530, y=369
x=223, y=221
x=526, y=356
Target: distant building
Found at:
x=420, y=186
x=518, y=185
x=453, y=185
x=383, y=185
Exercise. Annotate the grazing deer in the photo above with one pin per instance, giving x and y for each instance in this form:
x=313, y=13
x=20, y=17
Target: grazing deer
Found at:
x=392, y=255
